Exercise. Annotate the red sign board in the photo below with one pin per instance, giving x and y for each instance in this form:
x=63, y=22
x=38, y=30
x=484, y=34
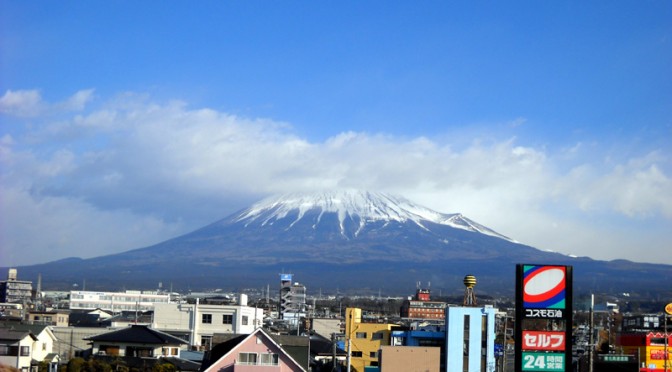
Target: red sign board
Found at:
x=542, y=340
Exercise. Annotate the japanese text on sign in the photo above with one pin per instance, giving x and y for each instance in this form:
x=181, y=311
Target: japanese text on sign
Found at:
x=537, y=340
x=543, y=362
x=543, y=313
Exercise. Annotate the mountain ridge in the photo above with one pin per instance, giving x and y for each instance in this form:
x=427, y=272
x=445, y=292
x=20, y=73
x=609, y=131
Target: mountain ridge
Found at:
x=381, y=242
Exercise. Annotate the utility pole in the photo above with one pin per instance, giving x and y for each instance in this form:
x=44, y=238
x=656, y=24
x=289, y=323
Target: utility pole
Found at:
x=591, y=341
x=333, y=352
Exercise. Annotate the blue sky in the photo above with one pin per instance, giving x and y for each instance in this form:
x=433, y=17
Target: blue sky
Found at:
x=123, y=123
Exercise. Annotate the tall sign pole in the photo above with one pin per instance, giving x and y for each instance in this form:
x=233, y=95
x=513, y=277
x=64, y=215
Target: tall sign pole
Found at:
x=668, y=312
x=543, y=317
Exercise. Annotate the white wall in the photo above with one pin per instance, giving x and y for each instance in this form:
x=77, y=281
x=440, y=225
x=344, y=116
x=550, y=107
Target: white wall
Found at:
x=187, y=318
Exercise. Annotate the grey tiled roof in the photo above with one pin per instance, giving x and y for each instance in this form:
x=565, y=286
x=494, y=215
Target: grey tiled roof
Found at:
x=138, y=334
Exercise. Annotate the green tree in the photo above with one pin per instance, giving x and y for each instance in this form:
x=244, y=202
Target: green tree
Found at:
x=164, y=367
x=76, y=365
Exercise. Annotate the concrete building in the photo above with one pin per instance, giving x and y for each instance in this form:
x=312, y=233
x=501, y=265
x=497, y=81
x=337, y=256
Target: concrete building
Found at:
x=409, y=359
x=197, y=323
x=422, y=307
x=13, y=290
x=470, y=339
x=117, y=301
x=363, y=340
x=292, y=299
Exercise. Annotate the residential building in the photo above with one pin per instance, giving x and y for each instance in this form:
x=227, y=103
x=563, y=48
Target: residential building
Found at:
x=26, y=345
x=421, y=307
x=248, y=353
x=197, y=323
x=13, y=290
x=58, y=318
x=16, y=348
x=117, y=301
x=43, y=345
x=136, y=341
x=363, y=340
x=72, y=342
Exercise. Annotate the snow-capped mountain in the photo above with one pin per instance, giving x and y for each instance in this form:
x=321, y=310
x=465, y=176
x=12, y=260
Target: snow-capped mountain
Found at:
x=353, y=205
x=341, y=239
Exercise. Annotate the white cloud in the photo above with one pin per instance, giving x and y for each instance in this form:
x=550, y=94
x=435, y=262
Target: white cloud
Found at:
x=78, y=101
x=21, y=103
x=161, y=169
x=29, y=103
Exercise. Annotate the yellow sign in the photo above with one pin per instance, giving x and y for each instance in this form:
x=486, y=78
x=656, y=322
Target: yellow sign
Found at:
x=668, y=308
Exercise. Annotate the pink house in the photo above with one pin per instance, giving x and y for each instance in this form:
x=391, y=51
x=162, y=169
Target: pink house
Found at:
x=249, y=353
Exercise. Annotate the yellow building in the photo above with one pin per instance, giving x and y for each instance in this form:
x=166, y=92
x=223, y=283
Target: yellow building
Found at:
x=364, y=339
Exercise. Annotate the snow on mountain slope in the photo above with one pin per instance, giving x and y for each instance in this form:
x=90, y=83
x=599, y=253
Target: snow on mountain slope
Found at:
x=362, y=206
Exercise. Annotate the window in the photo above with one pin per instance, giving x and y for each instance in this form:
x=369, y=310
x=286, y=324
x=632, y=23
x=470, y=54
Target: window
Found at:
x=373, y=354
x=108, y=349
x=25, y=350
x=269, y=359
x=244, y=320
x=206, y=319
x=206, y=341
x=360, y=335
x=4, y=350
x=247, y=358
x=227, y=319
x=356, y=354
x=139, y=351
x=377, y=336
x=168, y=351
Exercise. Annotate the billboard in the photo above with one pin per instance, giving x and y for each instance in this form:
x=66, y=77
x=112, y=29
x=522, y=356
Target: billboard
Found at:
x=543, y=317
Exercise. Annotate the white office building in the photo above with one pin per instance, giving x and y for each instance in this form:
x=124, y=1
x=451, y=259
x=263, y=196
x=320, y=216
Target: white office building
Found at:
x=117, y=301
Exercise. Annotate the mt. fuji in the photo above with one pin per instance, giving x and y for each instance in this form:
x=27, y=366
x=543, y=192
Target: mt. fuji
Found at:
x=345, y=240
x=356, y=208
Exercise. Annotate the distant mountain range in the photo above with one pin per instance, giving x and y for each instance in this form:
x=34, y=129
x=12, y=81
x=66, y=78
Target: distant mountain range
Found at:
x=342, y=240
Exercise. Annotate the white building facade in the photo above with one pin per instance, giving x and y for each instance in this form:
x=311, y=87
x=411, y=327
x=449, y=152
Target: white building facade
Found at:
x=197, y=323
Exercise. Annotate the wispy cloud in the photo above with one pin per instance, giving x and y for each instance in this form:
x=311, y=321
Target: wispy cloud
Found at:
x=29, y=103
x=133, y=172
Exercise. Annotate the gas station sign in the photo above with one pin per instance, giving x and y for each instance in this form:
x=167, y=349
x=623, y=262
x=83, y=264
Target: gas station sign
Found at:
x=543, y=317
x=539, y=340
x=543, y=362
